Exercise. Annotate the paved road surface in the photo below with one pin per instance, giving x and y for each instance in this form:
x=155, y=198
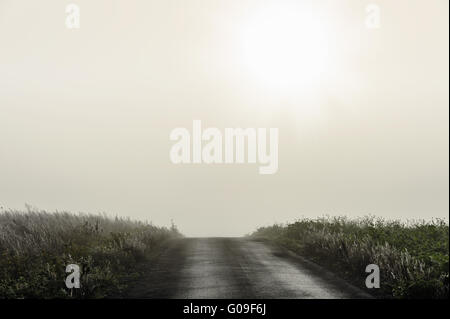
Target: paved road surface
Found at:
x=236, y=268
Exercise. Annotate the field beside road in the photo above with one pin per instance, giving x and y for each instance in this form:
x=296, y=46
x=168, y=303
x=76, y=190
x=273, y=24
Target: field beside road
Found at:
x=413, y=257
x=310, y=258
x=36, y=247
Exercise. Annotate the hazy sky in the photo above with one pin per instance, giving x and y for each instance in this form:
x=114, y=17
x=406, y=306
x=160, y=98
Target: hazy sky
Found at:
x=85, y=114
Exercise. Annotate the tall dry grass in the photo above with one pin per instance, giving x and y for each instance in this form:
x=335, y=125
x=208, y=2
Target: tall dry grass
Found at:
x=413, y=257
x=36, y=246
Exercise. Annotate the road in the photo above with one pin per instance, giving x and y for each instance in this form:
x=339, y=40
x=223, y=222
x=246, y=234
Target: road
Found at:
x=236, y=268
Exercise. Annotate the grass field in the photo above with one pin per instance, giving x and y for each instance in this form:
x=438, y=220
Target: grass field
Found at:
x=36, y=247
x=413, y=257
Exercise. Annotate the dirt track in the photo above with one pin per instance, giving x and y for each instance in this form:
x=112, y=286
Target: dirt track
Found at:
x=236, y=268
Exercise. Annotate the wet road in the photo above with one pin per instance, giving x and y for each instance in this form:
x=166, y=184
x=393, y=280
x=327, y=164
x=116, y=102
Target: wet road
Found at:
x=236, y=268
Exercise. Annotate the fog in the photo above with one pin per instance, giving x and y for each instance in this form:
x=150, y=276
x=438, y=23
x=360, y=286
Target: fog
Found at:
x=362, y=113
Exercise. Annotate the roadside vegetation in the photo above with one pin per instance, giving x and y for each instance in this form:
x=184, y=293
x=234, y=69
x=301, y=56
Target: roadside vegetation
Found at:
x=413, y=257
x=36, y=246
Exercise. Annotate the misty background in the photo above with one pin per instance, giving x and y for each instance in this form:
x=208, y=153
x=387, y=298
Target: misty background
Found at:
x=85, y=114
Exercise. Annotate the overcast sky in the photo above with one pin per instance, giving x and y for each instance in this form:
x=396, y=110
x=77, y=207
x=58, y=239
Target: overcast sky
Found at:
x=362, y=113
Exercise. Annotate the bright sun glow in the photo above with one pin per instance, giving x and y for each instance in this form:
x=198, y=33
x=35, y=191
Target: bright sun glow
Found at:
x=286, y=48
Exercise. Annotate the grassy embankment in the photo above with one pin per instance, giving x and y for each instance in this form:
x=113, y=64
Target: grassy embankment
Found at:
x=413, y=257
x=36, y=247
